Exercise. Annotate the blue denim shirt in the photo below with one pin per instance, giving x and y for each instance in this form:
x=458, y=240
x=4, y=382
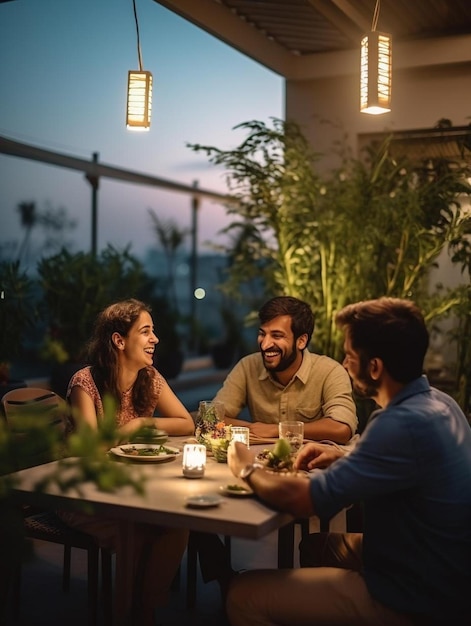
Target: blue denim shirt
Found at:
x=412, y=470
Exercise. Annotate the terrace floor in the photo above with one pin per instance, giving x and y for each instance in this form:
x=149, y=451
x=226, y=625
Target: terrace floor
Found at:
x=43, y=603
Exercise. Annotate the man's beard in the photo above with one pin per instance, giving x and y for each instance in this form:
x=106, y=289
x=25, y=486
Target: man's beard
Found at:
x=369, y=386
x=285, y=361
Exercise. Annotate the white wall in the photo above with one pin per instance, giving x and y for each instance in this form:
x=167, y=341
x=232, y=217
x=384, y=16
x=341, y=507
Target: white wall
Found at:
x=327, y=109
x=420, y=97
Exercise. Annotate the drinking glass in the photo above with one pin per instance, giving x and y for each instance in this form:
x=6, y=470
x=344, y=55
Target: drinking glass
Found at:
x=293, y=432
x=240, y=433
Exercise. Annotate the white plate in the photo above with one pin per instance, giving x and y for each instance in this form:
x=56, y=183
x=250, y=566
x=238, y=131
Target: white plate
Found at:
x=203, y=501
x=240, y=492
x=126, y=452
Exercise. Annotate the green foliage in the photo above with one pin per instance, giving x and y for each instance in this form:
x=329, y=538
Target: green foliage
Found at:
x=53, y=223
x=82, y=456
x=17, y=309
x=170, y=237
x=78, y=286
x=373, y=228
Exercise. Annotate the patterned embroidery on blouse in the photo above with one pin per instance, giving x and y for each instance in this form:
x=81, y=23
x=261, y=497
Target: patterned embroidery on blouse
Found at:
x=84, y=380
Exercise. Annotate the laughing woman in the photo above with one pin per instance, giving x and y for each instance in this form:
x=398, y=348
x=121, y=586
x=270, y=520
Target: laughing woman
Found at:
x=121, y=366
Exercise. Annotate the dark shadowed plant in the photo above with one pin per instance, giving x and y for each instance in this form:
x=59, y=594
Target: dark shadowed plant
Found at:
x=76, y=287
x=170, y=238
x=17, y=313
x=82, y=458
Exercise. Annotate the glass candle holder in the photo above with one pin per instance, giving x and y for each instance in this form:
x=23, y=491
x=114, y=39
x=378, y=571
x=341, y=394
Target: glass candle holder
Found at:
x=241, y=433
x=194, y=460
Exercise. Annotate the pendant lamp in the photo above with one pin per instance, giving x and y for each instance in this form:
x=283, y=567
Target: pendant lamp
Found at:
x=376, y=70
x=139, y=100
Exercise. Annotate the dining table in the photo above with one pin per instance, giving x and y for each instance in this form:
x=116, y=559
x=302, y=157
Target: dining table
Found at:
x=169, y=499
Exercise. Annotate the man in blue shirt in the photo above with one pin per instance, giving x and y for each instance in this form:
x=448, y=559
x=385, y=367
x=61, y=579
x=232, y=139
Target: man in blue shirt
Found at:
x=411, y=469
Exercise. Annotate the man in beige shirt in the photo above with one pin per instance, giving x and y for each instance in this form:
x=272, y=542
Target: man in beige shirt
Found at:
x=284, y=381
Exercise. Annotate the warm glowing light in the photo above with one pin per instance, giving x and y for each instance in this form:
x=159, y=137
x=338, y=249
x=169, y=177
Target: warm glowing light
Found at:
x=194, y=460
x=139, y=105
x=199, y=293
x=376, y=70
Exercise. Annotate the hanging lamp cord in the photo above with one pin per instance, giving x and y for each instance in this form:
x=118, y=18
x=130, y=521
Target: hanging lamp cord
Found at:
x=375, y=16
x=139, y=56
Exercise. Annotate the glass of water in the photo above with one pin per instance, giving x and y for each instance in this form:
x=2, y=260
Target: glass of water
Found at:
x=293, y=432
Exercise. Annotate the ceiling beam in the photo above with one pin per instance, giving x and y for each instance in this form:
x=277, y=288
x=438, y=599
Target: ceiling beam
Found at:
x=406, y=56
x=225, y=25
x=343, y=16
x=348, y=9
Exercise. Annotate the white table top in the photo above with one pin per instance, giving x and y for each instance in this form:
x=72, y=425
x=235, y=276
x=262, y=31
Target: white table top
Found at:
x=164, y=500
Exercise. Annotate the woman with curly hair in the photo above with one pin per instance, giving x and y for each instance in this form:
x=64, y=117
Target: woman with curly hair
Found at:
x=121, y=353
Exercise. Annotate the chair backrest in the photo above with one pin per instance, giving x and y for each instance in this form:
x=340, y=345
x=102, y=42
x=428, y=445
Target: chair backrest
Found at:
x=37, y=418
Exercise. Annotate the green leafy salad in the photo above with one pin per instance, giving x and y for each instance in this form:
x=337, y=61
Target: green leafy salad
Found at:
x=279, y=458
x=148, y=451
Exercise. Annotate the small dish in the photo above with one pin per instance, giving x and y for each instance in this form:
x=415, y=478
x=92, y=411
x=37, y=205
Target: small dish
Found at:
x=234, y=490
x=203, y=501
x=145, y=452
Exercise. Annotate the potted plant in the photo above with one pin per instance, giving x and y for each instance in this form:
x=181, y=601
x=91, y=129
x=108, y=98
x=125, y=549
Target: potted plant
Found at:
x=375, y=227
x=17, y=316
x=168, y=354
x=225, y=351
x=76, y=287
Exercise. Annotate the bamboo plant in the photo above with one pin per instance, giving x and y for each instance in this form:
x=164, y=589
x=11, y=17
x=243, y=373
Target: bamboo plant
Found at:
x=374, y=227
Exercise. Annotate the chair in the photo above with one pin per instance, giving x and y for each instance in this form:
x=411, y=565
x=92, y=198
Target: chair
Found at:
x=33, y=407
x=37, y=419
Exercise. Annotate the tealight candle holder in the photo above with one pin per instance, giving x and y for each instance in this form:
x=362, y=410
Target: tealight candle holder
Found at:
x=194, y=460
x=240, y=433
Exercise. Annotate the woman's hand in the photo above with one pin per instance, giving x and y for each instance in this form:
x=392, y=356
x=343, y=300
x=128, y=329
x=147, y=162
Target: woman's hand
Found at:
x=134, y=425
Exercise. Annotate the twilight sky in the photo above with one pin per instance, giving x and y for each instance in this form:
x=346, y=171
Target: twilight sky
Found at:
x=63, y=76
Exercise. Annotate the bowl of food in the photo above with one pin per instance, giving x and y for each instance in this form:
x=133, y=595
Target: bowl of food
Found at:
x=150, y=435
x=278, y=458
x=219, y=449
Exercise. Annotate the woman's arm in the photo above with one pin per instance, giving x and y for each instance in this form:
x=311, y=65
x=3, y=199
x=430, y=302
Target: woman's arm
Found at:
x=174, y=418
x=83, y=408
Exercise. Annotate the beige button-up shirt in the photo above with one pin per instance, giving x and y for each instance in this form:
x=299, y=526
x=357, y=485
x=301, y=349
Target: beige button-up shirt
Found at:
x=320, y=388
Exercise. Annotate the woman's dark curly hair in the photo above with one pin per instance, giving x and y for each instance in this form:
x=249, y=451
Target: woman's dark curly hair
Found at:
x=103, y=354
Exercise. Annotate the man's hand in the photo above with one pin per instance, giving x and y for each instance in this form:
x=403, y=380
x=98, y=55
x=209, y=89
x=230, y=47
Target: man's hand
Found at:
x=317, y=455
x=259, y=429
x=238, y=456
x=284, y=492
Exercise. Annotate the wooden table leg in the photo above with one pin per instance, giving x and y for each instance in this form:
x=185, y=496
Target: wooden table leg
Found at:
x=125, y=574
x=286, y=546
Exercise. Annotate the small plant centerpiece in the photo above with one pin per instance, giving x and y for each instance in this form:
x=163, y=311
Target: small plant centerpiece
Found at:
x=212, y=431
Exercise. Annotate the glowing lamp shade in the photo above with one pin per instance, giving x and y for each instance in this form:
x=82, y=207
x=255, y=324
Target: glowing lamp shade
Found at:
x=139, y=105
x=376, y=69
x=194, y=460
